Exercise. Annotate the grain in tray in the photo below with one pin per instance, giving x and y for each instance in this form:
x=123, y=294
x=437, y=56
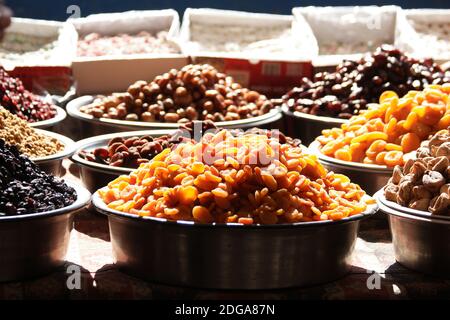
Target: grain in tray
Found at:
x=247, y=179
x=388, y=131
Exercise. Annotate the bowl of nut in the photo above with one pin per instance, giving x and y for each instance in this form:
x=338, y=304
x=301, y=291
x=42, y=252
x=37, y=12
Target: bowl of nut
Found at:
x=329, y=99
x=195, y=92
x=36, y=216
x=417, y=203
x=370, y=145
x=206, y=209
x=47, y=149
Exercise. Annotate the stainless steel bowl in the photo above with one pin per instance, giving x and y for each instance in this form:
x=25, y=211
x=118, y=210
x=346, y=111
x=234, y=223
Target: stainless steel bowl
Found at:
x=90, y=126
x=232, y=256
x=371, y=178
x=420, y=243
x=307, y=127
x=96, y=175
x=32, y=245
x=51, y=123
x=52, y=164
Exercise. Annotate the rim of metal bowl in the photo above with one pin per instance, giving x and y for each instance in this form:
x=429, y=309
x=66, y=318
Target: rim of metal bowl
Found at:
x=69, y=147
x=88, y=143
x=101, y=207
x=314, y=148
x=83, y=197
x=74, y=106
x=312, y=117
x=60, y=116
x=383, y=202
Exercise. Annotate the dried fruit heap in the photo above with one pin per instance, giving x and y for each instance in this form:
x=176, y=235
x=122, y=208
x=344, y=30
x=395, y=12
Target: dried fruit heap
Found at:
x=21, y=102
x=424, y=183
x=355, y=84
x=245, y=179
x=387, y=131
x=196, y=92
x=26, y=189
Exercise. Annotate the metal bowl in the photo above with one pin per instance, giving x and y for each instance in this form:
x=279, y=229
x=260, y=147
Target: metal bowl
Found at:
x=52, y=164
x=370, y=177
x=50, y=123
x=96, y=175
x=32, y=245
x=90, y=126
x=232, y=256
x=307, y=127
x=420, y=243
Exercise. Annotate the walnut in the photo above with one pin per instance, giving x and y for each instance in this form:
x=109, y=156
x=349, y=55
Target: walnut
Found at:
x=433, y=180
x=440, y=205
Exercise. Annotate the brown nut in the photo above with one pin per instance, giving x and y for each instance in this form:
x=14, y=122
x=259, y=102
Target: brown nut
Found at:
x=420, y=204
x=390, y=192
x=440, y=205
x=433, y=180
x=420, y=192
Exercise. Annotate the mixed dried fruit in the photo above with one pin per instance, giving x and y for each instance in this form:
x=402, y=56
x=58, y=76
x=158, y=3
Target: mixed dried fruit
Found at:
x=133, y=151
x=424, y=183
x=248, y=179
x=356, y=84
x=196, y=92
x=387, y=131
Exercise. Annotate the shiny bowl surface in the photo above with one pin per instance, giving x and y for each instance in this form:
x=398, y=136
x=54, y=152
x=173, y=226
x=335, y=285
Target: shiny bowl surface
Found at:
x=232, y=256
x=420, y=243
x=36, y=244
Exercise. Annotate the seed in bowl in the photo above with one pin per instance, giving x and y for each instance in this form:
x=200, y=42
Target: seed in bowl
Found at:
x=27, y=189
x=21, y=102
x=424, y=183
x=386, y=132
x=17, y=132
x=247, y=179
x=196, y=92
x=356, y=84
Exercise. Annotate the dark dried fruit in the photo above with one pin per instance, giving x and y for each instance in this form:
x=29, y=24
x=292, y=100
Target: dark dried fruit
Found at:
x=356, y=83
x=27, y=189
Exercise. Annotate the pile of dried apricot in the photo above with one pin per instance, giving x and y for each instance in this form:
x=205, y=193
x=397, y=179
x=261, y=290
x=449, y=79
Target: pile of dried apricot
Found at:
x=387, y=131
x=248, y=179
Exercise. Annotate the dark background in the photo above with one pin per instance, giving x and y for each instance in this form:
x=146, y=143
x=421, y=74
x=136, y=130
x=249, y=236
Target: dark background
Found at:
x=56, y=9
